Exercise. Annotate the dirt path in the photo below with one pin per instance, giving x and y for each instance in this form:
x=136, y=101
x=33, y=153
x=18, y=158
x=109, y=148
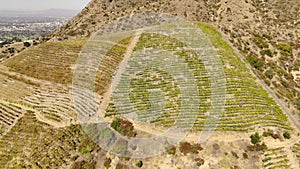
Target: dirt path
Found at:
x=147, y=128
x=41, y=118
x=121, y=69
x=38, y=116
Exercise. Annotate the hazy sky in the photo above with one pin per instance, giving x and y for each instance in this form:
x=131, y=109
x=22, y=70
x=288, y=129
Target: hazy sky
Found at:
x=43, y=4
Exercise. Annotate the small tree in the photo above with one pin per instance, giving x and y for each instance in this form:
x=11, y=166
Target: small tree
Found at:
x=171, y=150
x=107, y=162
x=255, y=138
x=199, y=161
x=286, y=135
x=27, y=44
x=139, y=164
x=245, y=155
x=116, y=123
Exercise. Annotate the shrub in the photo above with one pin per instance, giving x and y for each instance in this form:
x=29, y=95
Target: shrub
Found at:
x=107, y=162
x=275, y=135
x=86, y=150
x=255, y=62
x=83, y=165
x=35, y=43
x=116, y=123
x=266, y=52
x=121, y=166
x=260, y=43
x=124, y=127
x=199, y=161
x=171, y=150
x=257, y=147
x=261, y=147
x=284, y=83
x=245, y=155
x=139, y=164
x=16, y=39
x=26, y=44
x=255, y=138
x=286, y=135
x=267, y=133
x=186, y=147
x=234, y=154
x=269, y=74
x=285, y=49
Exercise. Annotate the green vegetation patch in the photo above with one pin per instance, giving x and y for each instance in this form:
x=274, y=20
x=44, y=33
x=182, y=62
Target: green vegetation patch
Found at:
x=155, y=80
x=247, y=106
x=248, y=103
x=50, y=61
x=285, y=49
x=123, y=126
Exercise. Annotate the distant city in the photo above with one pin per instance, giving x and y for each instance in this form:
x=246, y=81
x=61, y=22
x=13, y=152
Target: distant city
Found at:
x=24, y=25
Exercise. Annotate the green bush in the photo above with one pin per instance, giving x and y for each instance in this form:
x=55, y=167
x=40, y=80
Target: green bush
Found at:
x=269, y=74
x=27, y=44
x=257, y=63
x=285, y=49
x=245, y=155
x=267, y=133
x=260, y=43
x=139, y=164
x=86, y=150
x=199, y=161
x=255, y=138
x=284, y=83
x=107, y=162
x=116, y=123
x=258, y=147
x=286, y=135
x=266, y=52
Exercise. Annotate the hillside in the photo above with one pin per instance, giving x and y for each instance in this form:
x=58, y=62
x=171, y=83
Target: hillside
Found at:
x=265, y=32
x=235, y=60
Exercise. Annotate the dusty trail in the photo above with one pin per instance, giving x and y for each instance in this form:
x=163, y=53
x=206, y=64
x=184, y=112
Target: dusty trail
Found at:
x=121, y=69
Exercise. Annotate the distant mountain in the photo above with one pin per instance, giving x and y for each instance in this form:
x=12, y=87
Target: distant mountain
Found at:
x=40, y=13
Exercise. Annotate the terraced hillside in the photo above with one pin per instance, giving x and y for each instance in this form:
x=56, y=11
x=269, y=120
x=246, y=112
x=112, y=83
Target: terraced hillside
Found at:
x=247, y=102
x=34, y=144
x=248, y=106
x=52, y=105
x=39, y=127
x=35, y=127
x=296, y=150
x=264, y=31
x=275, y=158
x=53, y=65
x=9, y=116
